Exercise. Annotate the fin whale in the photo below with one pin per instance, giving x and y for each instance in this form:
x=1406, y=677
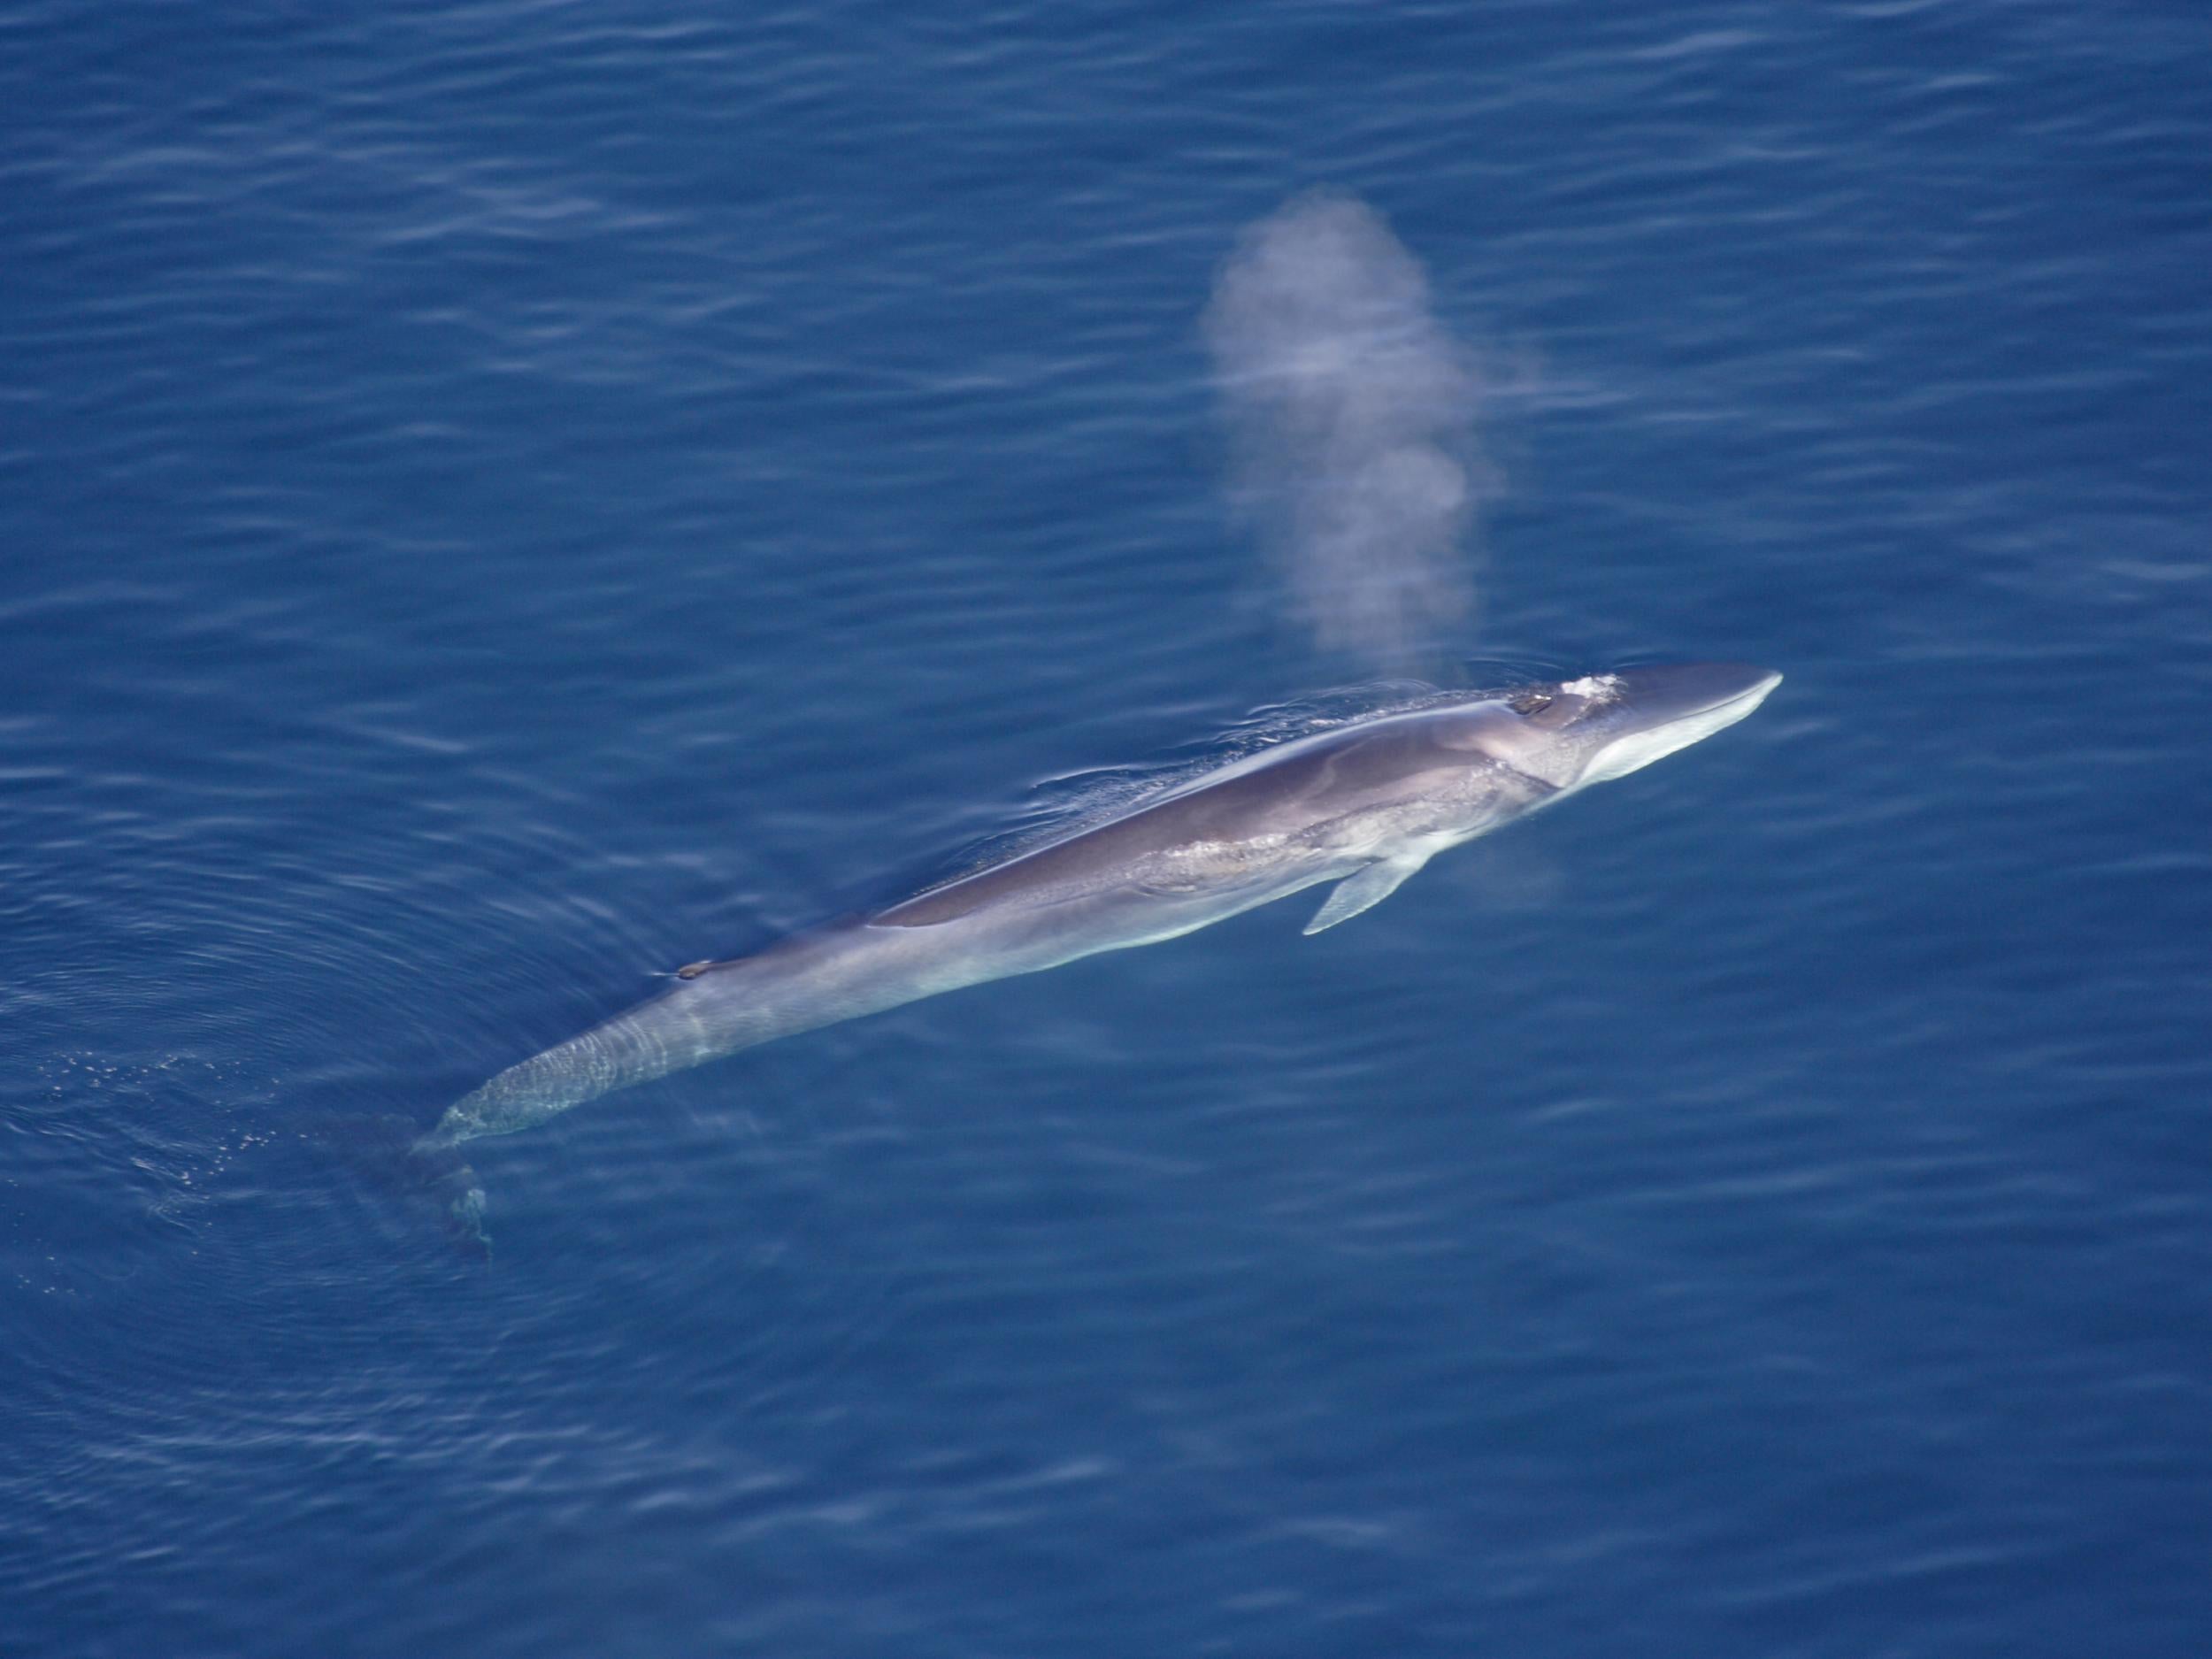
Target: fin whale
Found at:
x=1363, y=806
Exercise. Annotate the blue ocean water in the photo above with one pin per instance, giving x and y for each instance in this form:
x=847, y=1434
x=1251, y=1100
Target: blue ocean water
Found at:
x=500, y=499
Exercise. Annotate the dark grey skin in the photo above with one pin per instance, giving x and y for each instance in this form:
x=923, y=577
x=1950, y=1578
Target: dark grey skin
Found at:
x=1364, y=806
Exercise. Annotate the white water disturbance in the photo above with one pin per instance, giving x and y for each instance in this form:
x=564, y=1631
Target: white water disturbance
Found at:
x=1351, y=412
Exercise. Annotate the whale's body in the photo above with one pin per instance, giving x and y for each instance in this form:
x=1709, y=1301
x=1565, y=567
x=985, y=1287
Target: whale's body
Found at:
x=1364, y=806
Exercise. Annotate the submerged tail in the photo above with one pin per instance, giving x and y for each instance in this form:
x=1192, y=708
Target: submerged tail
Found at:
x=394, y=1153
x=712, y=1009
x=441, y=1168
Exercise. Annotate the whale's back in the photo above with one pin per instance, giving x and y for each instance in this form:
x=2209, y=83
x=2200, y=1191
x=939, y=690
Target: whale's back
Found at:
x=1275, y=794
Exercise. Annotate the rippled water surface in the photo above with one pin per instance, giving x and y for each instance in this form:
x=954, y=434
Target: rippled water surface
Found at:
x=499, y=500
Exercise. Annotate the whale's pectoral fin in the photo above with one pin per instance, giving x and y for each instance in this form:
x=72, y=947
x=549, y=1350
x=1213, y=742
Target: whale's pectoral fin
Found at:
x=1363, y=891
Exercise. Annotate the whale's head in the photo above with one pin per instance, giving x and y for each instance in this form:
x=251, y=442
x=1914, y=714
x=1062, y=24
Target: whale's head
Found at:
x=1579, y=732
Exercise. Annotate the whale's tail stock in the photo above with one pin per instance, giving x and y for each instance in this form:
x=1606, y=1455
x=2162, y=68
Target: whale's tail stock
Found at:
x=429, y=1170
